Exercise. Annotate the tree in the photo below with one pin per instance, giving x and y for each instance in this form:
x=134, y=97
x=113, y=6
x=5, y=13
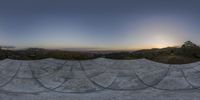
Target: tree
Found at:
x=189, y=44
x=190, y=49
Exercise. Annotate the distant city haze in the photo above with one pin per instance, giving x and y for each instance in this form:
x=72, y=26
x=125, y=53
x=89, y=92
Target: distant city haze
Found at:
x=98, y=24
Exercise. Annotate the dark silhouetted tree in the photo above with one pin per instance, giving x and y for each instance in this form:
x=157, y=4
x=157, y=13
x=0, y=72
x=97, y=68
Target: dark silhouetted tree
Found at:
x=189, y=44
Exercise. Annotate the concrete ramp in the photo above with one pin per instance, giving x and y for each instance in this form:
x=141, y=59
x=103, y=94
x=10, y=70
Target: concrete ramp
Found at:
x=99, y=79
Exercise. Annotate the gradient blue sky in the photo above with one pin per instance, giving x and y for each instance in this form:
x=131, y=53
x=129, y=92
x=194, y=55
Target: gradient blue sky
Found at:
x=99, y=24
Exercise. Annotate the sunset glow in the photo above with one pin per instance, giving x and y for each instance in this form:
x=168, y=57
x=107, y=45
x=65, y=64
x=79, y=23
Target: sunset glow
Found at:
x=133, y=26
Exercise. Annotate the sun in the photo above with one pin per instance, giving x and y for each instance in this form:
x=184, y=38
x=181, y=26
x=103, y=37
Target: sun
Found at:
x=160, y=33
x=162, y=41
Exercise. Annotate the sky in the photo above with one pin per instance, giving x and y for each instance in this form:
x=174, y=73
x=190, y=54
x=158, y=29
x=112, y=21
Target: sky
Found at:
x=99, y=24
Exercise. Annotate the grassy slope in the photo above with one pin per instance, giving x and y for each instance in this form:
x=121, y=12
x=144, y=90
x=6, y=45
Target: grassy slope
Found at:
x=174, y=59
x=165, y=55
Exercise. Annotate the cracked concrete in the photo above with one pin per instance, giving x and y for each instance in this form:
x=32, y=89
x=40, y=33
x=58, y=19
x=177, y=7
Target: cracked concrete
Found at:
x=99, y=79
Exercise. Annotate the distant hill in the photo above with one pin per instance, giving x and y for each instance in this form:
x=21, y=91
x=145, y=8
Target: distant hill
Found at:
x=187, y=53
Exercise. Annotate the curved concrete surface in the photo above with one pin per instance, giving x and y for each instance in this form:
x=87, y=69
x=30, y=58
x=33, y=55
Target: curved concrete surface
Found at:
x=92, y=78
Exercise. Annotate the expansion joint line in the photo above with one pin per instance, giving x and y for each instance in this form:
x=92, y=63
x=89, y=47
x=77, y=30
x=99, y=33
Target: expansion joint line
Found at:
x=12, y=78
x=186, y=79
x=156, y=83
